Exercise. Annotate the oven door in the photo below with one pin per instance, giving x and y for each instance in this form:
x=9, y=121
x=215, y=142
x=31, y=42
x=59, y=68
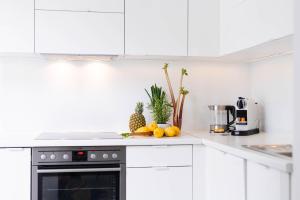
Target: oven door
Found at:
x=78, y=182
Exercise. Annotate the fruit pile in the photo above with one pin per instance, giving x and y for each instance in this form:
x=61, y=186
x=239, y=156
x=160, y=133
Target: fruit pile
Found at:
x=158, y=132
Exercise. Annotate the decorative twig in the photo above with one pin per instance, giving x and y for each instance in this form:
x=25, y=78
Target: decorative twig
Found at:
x=179, y=102
x=184, y=93
x=165, y=68
x=183, y=73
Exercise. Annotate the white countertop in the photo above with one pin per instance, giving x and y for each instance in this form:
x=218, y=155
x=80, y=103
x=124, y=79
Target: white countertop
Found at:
x=233, y=145
x=228, y=144
x=17, y=141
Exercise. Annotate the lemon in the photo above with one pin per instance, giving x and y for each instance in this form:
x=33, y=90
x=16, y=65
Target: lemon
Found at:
x=177, y=130
x=170, y=132
x=159, y=132
x=152, y=126
x=143, y=129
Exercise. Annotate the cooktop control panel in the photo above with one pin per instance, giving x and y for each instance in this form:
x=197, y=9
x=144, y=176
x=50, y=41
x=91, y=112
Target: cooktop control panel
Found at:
x=78, y=154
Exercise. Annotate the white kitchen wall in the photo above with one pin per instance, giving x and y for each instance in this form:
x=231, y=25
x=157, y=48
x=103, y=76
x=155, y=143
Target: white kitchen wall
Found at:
x=38, y=94
x=272, y=88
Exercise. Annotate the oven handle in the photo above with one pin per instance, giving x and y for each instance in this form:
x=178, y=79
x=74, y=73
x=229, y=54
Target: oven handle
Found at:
x=47, y=171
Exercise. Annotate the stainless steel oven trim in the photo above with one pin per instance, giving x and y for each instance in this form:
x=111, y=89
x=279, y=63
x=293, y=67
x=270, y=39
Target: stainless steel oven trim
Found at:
x=49, y=171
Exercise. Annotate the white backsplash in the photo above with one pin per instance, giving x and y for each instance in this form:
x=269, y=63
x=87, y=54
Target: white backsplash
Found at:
x=272, y=87
x=38, y=94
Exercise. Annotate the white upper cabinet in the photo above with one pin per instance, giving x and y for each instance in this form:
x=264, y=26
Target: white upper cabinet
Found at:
x=15, y=173
x=17, y=26
x=204, y=28
x=247, y=23
x=90, y=33
x=156, y=27
x=81, y=5
x=264, y=183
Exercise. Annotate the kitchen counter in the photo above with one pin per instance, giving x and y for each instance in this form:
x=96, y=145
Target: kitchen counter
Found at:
x=20, y=141
x=228, y=144
x=233, y=145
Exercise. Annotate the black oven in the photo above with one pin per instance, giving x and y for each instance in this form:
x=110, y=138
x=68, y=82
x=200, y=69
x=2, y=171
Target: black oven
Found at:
x=78, y=173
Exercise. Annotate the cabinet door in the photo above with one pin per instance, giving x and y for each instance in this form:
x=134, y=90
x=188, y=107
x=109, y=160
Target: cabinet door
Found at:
x=247, y=23
x=156, y=27
x=63, y=32
x=204, y=28
x=15, y=173
x=264, y=183
x=225, y=176
x=165, y=183
x=17, y=26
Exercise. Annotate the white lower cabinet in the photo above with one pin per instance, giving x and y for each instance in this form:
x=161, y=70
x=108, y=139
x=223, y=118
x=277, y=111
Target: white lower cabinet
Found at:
x=15, y=173
x=264, y=183
x=225, y=176
x=167, y=177
x=159, y=183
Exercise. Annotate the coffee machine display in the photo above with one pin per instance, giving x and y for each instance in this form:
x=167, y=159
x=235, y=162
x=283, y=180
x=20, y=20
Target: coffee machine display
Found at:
x=247, y=121
x=222, y=118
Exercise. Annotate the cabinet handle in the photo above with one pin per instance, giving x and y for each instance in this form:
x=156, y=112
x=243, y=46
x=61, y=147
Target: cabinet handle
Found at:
x=15, y=149
x=161, y=168
x=161, y=146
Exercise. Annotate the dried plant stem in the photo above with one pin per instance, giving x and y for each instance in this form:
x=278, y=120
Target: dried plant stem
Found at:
x=181, y=107
x=169, y=85
x=178, y=99
x=179, y=102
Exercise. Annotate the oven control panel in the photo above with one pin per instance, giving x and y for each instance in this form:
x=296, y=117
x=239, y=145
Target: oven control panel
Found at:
x=48, y=155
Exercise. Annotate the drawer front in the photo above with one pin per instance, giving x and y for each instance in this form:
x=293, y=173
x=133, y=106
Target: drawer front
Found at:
x=81, y=5
x=161, y=183
x=155, y=156
x=63, y=32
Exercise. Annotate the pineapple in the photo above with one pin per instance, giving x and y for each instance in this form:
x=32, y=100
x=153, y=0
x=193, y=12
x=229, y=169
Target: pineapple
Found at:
x=137, y=119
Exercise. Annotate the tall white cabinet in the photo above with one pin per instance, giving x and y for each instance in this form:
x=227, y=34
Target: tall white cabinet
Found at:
x=17, y=26
x=156, y=27
x=15, y=174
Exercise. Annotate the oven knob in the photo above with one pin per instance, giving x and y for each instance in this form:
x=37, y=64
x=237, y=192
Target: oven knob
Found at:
x=52, y=156
x=93, y=156
x=114, y=156
x=43, y=156
x=65, y=156
x=105, y=156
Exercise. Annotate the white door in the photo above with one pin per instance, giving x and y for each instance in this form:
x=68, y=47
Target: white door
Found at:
x=225, y=176
x=204, y=28
x=156, y=27
x=264, y=183
x=63, y=32
x=161, y=183
x=15, y=173
x=17, y=26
